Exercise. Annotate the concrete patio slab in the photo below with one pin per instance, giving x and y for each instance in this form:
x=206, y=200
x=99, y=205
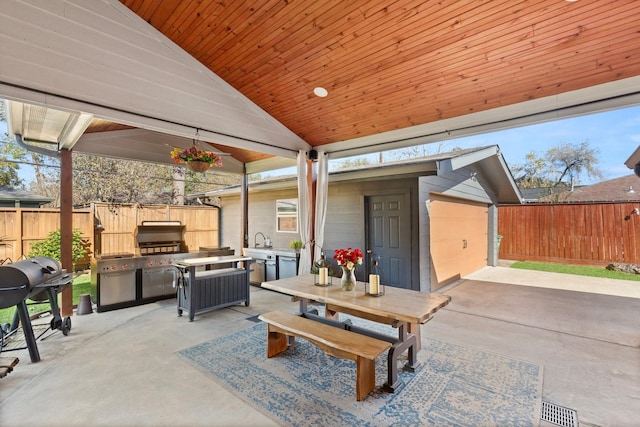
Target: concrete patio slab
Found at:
x=121, y=368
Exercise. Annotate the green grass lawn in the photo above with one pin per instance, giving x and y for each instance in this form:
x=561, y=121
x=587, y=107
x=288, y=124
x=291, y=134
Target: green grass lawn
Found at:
x=580, y=270
x=81, y=285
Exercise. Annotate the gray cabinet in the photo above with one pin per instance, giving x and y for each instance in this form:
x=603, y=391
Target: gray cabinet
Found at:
x=287, y=266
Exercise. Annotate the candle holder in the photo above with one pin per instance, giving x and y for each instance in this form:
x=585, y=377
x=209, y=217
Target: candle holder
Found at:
x=374, y=287
x=321, y=272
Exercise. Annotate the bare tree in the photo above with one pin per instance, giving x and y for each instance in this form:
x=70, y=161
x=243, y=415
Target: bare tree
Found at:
x=352, y=163
x=569, y=161
x=560, y=166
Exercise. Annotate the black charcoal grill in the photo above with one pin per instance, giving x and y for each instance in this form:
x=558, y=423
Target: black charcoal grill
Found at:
x=36, y=279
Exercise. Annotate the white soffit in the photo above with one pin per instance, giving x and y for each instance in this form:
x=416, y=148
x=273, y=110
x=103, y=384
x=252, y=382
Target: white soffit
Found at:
x=101, y=58
x=156, y=146
x=42, y=124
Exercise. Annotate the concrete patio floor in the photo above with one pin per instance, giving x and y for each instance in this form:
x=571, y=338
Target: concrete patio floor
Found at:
x=121, y=368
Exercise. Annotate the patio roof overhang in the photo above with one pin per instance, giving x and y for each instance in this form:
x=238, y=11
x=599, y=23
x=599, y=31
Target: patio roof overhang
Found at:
x=449, y=71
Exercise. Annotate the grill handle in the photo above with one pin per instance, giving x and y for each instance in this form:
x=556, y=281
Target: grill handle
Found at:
x=45, y=269
x=15, y=288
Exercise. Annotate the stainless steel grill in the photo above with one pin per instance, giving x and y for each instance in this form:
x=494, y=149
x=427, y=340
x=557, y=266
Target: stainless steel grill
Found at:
x=125, y=280
x=160, y=237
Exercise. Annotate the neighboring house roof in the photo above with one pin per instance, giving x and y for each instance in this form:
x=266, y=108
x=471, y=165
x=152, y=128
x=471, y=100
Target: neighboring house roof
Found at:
x=533, y=195
x=625, y=189
x=10, y=195
x=487, y=160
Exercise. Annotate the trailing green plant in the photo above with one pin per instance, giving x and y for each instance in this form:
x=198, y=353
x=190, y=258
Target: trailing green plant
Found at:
x=50, y=246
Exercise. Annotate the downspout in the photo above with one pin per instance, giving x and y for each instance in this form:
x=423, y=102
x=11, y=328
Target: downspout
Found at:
x=66, y=214
x=36, y=149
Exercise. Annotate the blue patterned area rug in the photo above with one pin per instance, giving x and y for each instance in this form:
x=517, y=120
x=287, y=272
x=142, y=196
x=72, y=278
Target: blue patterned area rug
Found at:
x=455, y=385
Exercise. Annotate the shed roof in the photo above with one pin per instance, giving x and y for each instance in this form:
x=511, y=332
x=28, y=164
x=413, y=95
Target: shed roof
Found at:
x=488, y=161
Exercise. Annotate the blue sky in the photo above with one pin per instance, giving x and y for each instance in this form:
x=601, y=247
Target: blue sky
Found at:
x=616, y=134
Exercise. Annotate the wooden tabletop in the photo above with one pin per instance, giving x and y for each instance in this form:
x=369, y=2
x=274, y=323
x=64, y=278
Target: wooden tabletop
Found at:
x=400, y=304
x=212, y=260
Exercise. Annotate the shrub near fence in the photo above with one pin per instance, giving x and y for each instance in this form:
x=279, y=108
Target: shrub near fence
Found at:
x=584, y=234
x=22, y=227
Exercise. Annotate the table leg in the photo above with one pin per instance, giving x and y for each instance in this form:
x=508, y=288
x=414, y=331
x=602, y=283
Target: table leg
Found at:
x=414, y=329
x=330, y=314
x=405, y=342
x=192, y=293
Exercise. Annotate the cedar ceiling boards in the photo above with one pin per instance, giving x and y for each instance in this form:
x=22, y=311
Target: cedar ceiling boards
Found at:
x=399, y=73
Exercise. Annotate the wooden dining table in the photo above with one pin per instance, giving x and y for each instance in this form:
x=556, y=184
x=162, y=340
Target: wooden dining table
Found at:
x=403, y=309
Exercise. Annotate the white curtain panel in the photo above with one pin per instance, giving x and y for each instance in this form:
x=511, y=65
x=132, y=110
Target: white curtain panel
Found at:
x=322, y=192
x=304, y=211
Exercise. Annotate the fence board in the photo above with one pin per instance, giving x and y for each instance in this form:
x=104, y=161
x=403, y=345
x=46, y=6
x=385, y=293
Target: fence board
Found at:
x=590, y=234
x=21, y=227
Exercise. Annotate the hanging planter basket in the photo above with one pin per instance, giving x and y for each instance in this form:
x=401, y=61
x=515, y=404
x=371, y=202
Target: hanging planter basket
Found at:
x=198, y=166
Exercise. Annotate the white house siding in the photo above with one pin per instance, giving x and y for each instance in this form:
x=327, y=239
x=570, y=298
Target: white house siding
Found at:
x=262, y=218
x=345, y=223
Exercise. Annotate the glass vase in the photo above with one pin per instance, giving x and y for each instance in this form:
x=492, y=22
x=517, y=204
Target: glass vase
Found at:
x=348, y=280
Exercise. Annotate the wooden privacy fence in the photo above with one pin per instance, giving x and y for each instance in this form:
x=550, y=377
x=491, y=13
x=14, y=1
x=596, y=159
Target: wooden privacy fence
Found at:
x=119, y=222
x=588, y=234
x=20, y=228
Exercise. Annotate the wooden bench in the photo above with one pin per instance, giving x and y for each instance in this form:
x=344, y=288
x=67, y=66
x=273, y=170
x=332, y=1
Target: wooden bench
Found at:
x=332, y=340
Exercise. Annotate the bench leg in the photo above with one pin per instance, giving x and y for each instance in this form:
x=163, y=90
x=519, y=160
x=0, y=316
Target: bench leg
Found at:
x=365, y=377
x=277, y=342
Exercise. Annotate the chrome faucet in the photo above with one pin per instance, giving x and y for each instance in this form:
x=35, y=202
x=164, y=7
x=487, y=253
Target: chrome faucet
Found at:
x=255, y=239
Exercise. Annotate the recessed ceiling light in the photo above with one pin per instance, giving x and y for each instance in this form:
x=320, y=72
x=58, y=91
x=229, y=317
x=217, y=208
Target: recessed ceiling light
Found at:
x=320, y=91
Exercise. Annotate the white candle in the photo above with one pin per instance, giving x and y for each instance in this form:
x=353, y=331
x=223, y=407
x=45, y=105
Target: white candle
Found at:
x=323, y=272
x=374, y=284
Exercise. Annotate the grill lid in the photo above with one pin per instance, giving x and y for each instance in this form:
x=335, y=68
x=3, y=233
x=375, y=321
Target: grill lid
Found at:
x=155, y=237
x=18, y=280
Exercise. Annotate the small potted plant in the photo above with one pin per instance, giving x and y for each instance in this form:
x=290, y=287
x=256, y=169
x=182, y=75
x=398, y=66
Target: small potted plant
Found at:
x=296, y=245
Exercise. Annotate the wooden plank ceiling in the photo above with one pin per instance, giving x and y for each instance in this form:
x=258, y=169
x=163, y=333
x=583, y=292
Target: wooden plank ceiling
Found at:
x=393, y=64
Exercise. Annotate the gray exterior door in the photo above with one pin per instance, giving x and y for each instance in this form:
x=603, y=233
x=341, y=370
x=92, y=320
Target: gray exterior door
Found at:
x=389, y=237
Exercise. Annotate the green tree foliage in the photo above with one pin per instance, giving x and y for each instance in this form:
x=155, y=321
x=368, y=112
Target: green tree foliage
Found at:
x=532, y=173
x=50, y=247
x=9, y=154
x=111, y=180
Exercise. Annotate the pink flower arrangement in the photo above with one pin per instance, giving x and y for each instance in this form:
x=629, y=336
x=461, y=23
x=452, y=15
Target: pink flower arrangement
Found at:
x=195, y=154
x=348, y=258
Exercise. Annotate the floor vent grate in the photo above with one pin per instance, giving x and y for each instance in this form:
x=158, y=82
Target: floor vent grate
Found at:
x=559, y=415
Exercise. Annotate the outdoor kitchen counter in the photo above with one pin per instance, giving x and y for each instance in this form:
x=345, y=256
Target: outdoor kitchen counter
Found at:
x=212, y=260
x=207, y=290
x=253, y=252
